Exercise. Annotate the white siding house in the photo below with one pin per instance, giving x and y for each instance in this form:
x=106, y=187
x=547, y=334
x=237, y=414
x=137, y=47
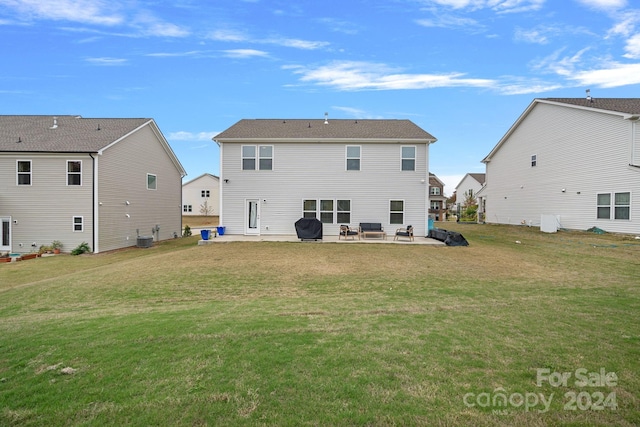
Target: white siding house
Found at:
x=99, y=181
x=575, y=159
x=274, y=172
x=469, y=186
x=201, y=196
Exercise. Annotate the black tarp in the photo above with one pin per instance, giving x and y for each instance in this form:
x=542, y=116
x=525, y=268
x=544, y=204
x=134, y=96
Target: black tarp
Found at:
x=309, y=229
x=450, y=238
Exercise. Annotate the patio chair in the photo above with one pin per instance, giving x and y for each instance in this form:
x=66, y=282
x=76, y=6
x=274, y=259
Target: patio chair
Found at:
x=404, y=232
x=346, y=232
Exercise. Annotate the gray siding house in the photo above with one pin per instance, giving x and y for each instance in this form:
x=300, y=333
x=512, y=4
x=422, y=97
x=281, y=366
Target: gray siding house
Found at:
x=576, y=160
x=74, y=179
x=274, y=172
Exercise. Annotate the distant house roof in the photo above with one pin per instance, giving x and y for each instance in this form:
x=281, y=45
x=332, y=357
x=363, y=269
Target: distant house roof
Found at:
x=63, y=134
x=480, y=177
x=316, y=130
x=627, y=108
x=201, y=176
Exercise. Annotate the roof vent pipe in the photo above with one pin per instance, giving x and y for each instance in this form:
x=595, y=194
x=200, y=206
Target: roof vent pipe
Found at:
x=326, y=118
x=589, y=95
x=55, y=123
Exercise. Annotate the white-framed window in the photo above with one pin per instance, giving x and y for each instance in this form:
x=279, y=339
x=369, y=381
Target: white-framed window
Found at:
x=326, y=211
x=534, y=160
x=435, y=205
x=152, y=181
x=257, y=157
x=434, y=191
x=74, y=172
x=265, y=157
x=343, y=211
x=78, y=224
x=309, y=208
x=353, y=157
x=614, y=205
x=248, y=157
x=396, y=212
x=205, y=193
x=408, y=153
x=23, y=172
x=187, y=208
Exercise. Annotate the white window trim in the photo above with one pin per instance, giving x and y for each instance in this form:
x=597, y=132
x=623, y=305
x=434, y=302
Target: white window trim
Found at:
x=347, y=158
x=338, y=212
x=612, y=205
x=261, y=158
x=414, y=158
x=156, y=181
x=404, y=208
x=74, y=173
x=73, y=224
x=23, y=173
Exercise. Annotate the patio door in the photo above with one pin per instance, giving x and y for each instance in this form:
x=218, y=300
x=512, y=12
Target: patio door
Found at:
x=5, y=236
x=252, y=216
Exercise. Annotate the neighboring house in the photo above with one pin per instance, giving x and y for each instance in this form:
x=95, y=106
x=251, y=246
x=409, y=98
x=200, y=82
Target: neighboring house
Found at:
x=575, y=159
x=201, y=196
x=73, y=179
x=470, y=184
x=274, y=172
x=437, y=199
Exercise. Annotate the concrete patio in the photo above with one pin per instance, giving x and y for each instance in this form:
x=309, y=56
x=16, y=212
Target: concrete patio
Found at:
x=418, y=240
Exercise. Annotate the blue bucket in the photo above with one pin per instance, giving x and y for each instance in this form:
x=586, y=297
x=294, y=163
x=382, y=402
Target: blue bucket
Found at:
x=206, y=234
x=221, y=230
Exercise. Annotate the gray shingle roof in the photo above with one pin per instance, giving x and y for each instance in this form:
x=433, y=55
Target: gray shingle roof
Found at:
x=301, y=129
x=621, y=105
x=72, y=134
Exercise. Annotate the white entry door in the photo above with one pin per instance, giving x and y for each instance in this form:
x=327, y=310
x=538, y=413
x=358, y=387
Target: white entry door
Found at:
x=5, y=234
x=252, y=216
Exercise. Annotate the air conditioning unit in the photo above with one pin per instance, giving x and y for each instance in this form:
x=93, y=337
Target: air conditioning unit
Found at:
x=145, y=241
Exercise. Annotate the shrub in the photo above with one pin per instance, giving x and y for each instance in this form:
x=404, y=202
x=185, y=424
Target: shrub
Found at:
x=187, y=231
x=81, y=249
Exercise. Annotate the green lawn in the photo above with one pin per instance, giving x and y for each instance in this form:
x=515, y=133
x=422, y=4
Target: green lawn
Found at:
x=327, y=334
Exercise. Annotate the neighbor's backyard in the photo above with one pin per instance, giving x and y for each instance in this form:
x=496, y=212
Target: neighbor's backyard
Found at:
x=541, y=332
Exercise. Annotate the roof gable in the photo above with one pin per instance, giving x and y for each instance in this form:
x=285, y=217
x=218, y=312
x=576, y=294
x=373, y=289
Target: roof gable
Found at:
x=316, y=130
x=626, y=108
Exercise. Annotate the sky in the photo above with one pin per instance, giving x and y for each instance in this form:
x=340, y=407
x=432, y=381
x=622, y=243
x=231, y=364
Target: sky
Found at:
x=463, y=70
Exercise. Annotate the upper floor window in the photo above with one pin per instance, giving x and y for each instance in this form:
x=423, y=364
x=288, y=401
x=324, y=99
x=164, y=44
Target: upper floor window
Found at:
x=74, y=172
x=408, y=158
x=151, y=181
x=260, y=157
x=205, y=193
x=396, y=212
x=435, y=191
x=621, y=206
x=534, y=160
x=24, y=172
x=353, y=157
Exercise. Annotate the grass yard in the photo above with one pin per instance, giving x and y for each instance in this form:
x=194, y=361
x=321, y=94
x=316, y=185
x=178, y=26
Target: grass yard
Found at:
x=542, y=332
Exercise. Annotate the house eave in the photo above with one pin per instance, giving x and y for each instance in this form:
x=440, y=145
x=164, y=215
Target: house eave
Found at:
x=325, y=140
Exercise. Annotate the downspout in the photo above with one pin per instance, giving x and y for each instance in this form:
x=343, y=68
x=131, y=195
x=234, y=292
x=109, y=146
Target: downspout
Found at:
x=93, y=205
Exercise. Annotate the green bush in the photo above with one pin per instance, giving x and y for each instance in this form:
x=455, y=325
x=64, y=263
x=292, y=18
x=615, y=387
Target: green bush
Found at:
x=81, y=249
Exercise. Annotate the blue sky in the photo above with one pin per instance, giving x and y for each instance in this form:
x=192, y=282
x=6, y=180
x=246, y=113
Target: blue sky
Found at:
x=463, y=70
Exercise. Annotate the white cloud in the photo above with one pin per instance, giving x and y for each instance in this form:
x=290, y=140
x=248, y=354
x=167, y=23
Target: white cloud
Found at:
x=604, y=4
x=244, y=53
x=504, y=6
x=84, y=11
x=296, y=43
x=354, y=75
x=238, y=36
x=449, y=21
x=228, y=36
x=191, y=136
x=533, y=35
x=610, y=75
x=106, y=61
x=633, y=47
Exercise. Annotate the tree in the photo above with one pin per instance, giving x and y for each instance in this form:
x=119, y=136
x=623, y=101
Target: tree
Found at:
x=205, y=209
